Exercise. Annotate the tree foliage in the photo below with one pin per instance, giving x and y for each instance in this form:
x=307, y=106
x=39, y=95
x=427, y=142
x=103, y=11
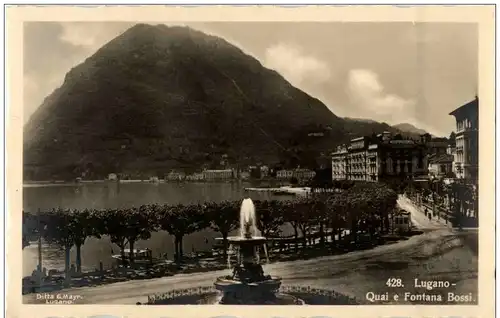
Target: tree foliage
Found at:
x=361, y=207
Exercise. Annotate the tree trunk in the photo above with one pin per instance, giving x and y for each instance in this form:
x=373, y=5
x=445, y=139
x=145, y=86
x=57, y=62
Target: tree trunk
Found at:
x=79, y=258
x=176, y=248
x=304, y=238
x=322, y=234
x=131, y=243
x=296, y=236
x=122, y=253
x=354, y=230
x=67, y=280
x=181, y=250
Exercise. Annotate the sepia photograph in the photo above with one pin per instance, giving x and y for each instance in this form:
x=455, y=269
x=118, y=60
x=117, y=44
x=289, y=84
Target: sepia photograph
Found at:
x=250, y=163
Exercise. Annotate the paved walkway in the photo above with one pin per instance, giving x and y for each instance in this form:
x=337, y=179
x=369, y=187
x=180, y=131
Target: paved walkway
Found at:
x=439, y=253
x=418, y=217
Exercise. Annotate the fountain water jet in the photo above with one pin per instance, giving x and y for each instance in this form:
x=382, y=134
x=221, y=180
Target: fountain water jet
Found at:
x=248, y=284
x=248, y=227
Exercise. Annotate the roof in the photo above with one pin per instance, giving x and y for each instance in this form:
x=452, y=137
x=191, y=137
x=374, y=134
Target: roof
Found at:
x=358, y=139
x=443, y=158
x=464, y=109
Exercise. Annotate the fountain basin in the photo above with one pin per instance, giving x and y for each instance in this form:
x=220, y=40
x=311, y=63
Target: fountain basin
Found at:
x=254, y=292
x=287, y=295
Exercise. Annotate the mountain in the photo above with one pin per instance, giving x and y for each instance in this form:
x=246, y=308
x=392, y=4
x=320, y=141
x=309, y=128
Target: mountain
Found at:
x=157, y=98
x=361, y=120
x=409, y=128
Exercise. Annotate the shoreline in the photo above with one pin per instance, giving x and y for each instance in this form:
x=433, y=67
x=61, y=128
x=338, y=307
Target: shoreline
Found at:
x=201, y=265
x=61, y=182
x=112, y=293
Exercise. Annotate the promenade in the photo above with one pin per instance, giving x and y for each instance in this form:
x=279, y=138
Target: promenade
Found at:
x=440, y=252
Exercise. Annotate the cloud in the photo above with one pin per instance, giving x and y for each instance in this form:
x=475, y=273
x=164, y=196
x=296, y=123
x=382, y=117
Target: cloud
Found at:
x=295, y=66
x=368, y=95
x=93, y=35
x=51, y=49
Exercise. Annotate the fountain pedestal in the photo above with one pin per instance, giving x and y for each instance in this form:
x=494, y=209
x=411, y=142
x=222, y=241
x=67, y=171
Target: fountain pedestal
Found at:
x=248, y=284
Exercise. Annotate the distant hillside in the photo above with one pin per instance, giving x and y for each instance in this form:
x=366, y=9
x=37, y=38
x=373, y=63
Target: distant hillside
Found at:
x=158, y=98
x=361, y=120
x=409, y=128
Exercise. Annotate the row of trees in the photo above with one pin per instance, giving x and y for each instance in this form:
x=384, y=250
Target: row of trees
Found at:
x=457, y=197
x=362, y=207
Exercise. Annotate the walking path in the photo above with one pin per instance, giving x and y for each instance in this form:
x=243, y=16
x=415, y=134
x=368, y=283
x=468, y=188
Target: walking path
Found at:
x=438, y=252
x=418, y=216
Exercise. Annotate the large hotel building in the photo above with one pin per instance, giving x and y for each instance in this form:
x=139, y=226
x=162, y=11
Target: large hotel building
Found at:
x=380, y=157
x=466, y=152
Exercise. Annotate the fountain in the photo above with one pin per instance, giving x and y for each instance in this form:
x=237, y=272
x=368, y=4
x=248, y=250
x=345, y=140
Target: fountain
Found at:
x=248, y=284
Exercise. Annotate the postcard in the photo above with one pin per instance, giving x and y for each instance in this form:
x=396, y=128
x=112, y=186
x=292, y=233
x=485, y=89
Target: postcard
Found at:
x=257, y=161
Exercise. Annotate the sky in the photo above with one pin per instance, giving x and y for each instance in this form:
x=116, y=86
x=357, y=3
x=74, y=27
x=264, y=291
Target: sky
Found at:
x=394, y=72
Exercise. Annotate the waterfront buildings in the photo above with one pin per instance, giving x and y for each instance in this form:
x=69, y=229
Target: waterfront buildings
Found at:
x=223, y=174
x=372, y=158
x=466, y=140
x=299, y=174
x=284, y=174
x=339, y=163
x=357, y=159
x=195, y=177
x=303, y=174
x=175, y=176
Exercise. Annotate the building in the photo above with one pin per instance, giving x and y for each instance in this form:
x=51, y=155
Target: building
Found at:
x=264, y=171
x=284, y=174
x=224, y=174
x=466, y=140
x=356, y=158
x=303, y=174
x=440, y=165
x=402, y=158
x=437, y=146
x=154, y=179
x=195, y=177
x=373, y=162
x=339, y=163
x=380, y=157
x=175, y=176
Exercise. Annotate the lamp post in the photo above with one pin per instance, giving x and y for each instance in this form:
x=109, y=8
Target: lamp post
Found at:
x=39, y=271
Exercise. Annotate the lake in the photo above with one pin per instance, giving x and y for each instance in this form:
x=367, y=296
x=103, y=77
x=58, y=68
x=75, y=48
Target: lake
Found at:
x=122, y=195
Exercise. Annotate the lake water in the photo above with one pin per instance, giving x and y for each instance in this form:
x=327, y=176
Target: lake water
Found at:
x=122, y=195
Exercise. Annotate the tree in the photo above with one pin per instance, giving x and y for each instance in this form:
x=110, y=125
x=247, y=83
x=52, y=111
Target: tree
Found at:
x=223, y=218
x=337, y=211
x=84, y=225
x=289, y=216
x=269, y=217
x=452, y=138
x=127, y=226
x=60, y=231
x=321, y=215
x=181, y=220
x=141, y=222
x=303, y=217
x=113, y=223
